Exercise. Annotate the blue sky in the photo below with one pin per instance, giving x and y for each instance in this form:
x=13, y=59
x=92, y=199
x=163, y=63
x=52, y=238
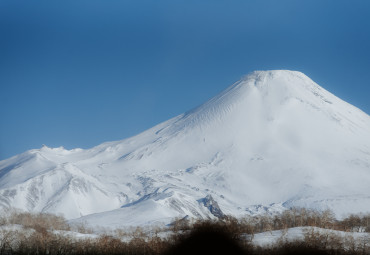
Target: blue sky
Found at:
x=79, y=73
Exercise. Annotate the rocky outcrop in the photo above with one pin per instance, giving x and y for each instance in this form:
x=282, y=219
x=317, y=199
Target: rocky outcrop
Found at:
x=212, y=206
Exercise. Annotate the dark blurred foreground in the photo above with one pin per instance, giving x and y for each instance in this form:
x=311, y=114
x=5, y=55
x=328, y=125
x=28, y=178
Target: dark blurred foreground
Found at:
x=207, y=240
x=213, y=239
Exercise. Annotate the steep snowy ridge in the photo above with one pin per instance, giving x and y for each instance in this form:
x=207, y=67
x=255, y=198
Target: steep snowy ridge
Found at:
x=273, y=140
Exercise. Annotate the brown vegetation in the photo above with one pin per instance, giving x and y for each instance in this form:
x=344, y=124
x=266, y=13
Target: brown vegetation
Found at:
x=27, y=233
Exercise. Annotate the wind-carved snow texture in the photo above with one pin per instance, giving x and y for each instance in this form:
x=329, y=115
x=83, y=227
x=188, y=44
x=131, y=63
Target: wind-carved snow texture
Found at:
x=273, y=140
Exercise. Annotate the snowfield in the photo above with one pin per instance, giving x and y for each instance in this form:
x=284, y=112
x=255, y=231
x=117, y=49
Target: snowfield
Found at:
x=297, y=234
x=271, y=141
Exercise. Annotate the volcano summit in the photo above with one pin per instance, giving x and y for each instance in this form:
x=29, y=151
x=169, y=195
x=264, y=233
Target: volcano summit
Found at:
x=273, y=140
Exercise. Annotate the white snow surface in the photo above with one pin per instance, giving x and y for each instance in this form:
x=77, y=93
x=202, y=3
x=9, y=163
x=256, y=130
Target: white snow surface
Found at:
x=273, y=238
x=273, y=140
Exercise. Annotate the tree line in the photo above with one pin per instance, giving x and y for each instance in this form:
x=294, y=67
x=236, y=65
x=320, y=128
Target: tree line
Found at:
x=40, y=233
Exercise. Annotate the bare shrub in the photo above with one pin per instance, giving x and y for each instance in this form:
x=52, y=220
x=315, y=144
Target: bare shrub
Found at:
x=35, y=234
x=38, y=221
x=81, y=228
x=8, y=241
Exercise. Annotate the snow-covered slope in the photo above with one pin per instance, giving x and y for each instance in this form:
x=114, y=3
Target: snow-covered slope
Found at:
x=274, y=139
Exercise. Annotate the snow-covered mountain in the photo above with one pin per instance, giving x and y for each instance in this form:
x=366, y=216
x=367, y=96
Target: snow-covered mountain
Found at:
x=272, y=140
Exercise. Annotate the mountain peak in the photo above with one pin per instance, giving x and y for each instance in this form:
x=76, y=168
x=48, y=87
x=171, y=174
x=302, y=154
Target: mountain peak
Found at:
x=261, y=79
x=272, y=138
x=272, y=74
x=261, y=93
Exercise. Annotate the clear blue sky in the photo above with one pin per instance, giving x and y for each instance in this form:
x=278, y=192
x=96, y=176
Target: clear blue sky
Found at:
x=79, y=73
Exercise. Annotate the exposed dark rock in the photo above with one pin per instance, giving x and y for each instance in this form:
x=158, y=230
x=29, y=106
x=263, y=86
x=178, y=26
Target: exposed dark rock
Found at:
x=212, y=206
